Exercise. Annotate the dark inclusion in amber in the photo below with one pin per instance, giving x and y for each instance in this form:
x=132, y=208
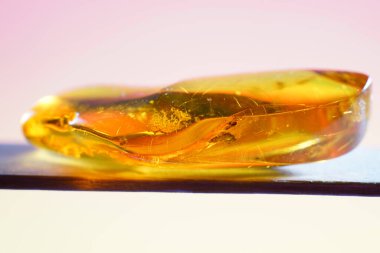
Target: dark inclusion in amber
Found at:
x=261, y=119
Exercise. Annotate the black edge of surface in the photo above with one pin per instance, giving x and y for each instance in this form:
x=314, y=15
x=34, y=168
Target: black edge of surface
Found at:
x=279, y=187
x=357, y=174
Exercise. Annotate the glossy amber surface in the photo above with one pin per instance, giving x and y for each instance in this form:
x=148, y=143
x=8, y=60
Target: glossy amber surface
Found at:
x=260, y=119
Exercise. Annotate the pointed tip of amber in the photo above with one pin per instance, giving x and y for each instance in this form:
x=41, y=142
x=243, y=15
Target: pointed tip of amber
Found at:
x=360, y=80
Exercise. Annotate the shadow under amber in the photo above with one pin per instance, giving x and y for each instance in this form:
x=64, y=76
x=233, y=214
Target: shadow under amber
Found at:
x=24, y=160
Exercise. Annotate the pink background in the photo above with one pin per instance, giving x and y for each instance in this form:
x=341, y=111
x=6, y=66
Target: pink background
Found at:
x=50, y=46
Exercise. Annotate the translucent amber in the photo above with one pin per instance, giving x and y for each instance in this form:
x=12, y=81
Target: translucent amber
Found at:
x=261, y=119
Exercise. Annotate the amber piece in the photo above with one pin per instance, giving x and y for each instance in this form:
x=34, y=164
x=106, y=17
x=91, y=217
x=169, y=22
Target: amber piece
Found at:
x=261, y=119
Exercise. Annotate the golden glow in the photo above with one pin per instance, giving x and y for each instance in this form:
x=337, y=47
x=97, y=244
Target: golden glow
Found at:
x=263, y=119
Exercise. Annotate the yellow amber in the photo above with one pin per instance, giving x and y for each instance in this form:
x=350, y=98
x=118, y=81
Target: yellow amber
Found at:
x=260, y=119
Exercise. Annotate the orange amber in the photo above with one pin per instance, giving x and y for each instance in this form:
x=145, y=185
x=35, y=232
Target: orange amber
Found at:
x=261, y=119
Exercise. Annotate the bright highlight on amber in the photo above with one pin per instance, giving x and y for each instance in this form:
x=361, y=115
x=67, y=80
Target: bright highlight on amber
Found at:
x=261, y=119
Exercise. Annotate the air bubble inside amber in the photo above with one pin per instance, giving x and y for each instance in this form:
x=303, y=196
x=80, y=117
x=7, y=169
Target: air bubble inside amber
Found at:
x=260, y=119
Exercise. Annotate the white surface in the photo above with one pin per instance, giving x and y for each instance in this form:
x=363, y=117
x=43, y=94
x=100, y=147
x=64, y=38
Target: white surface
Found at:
x=148, y=222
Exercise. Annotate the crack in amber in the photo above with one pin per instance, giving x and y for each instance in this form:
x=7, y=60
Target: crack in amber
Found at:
x=261, y=119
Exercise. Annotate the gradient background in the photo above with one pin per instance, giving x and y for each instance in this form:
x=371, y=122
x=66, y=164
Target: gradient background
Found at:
x=50, y=46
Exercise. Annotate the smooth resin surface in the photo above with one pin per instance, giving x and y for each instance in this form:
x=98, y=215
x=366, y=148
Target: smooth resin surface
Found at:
x=259, y=119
